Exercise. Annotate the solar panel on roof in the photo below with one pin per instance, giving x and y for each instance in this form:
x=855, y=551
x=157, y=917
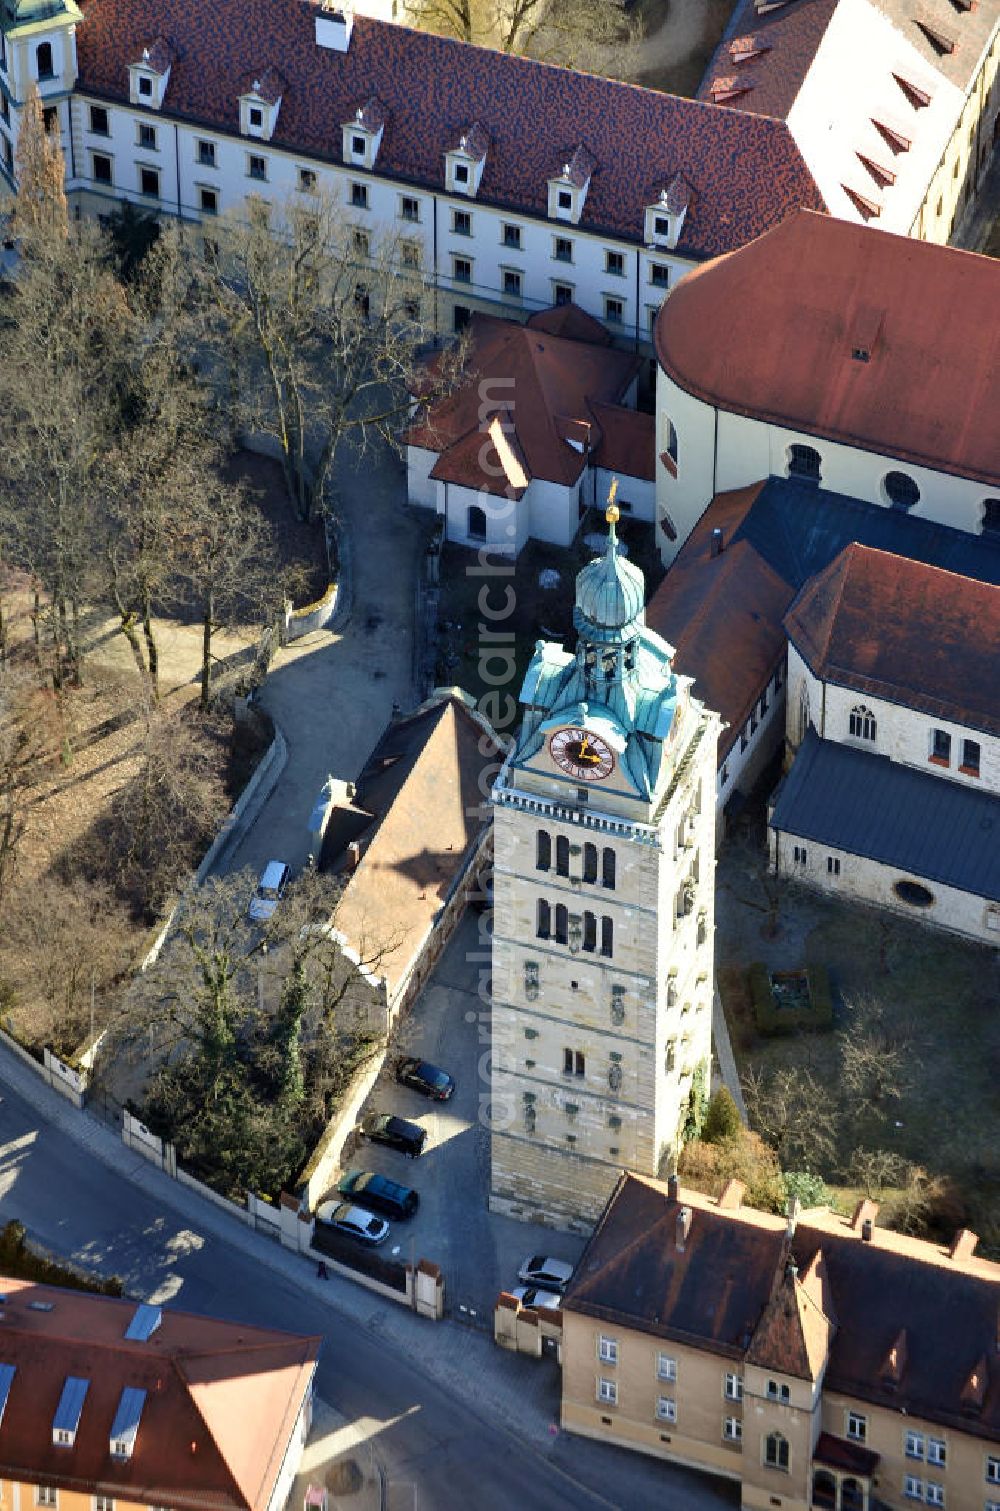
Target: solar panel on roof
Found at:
x=7, y=1373
x=126, y=1423
x=144, y=1322
x=67, y=1417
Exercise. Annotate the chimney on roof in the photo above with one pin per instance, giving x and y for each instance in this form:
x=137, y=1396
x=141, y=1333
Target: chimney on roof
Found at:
x=863, y=1221
x=673, y=1187
x=715, y=549
x=353, y=855
x=963, y=1245
x=334, y=24
x=683, y=1228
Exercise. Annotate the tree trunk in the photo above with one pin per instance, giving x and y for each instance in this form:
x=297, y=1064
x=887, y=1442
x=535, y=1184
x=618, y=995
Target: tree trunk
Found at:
x=152, y=652
x=206, y=647
x=126, y=623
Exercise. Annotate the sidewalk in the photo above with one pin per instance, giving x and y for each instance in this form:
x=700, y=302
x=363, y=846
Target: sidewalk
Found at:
x=340, y=1461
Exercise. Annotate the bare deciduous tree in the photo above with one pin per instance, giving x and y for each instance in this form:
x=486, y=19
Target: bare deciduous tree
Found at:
x=324, y=324
x=873, y=1057
x=40, y=207
x=795, y=1113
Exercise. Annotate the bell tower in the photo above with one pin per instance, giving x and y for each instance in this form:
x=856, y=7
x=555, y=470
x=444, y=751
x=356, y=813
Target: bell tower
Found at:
x=37, y=46
x=604, y=833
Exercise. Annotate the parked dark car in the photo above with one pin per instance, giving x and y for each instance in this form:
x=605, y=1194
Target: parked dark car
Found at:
x=378, y=1193
x=425, y=1078
x=397, y=1133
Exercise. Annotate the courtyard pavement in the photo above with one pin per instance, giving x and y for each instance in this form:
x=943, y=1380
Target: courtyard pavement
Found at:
x=332, y=693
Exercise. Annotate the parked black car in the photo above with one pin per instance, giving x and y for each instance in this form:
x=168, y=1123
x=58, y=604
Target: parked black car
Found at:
x=378, y=1193
x=383, y=1128
x=425, y=1078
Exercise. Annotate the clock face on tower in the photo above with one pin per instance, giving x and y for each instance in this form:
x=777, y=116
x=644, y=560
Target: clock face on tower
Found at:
x=582, y=755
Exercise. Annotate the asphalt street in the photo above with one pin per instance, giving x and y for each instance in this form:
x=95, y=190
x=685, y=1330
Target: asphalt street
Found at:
x=441, y=1447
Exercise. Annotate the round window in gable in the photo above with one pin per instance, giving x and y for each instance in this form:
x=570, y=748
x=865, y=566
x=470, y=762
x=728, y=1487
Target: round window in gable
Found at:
x=914, y=894
x=901, y=491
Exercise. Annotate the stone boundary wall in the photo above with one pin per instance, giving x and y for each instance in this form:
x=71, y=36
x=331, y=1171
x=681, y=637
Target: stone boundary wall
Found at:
x=314, y=616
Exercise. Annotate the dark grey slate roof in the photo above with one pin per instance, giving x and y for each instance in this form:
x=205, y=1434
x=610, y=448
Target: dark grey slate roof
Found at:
x=925, y=826
x=798, y=529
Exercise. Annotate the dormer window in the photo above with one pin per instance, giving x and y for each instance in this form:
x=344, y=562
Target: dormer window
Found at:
x=150, y=74
x=665, y=219
x=260, y=103
x=66, y=1421
x=464, y=162
x=362, y=134
x=568, y=190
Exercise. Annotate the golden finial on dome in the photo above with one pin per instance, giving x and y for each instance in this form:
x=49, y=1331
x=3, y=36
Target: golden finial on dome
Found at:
x=612, y=513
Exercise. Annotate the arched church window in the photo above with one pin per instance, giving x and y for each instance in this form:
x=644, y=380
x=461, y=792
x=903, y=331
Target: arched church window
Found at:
x=607, y=936
x=804, y=463
x=543, y=851
x=590, y=932
x=543, y=925
x=562, y=855
x=862, y=723
x=803, y=712
x=776, y=1454
x=669, y=441
x=590, y=862
x=608, y=869
x=562, y=924
x=43, y=59
x=476, y=528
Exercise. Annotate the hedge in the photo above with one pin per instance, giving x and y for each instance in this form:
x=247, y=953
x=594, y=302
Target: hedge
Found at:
x=771, y=1019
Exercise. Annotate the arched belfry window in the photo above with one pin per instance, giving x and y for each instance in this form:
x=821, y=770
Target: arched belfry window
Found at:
x=862, y=723
x=543, y=851
x=542, y=926
x=608, y=869
x=589, y=862
x=477, y=522
x=43, y=58
x=804, y=463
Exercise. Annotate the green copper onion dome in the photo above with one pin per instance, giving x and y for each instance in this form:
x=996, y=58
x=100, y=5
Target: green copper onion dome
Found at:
x=610, y=592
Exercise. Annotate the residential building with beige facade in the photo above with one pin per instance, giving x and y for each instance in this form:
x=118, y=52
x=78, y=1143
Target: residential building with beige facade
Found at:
x=603, y=916
x=109, y=1406
x=819, y=1361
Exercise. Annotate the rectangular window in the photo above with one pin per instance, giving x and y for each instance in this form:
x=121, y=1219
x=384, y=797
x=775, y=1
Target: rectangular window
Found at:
x=937, y=1452
x=934, y=1495
x=102, y=168
x=50, y=119
x=614, y=310
x=732, y=1429
x=661, y=227
x=362, y=245
x=359, y=146
x=512, y=237
x=562, y=249
x=607, y=1392
x=208, y=201
x=99, y=123
x=46, y=1495
x=461, y=222
x=800, y=855
x=461, y=269
x=564, y=200
x=913, y=1488
x=734, y=1388
x=146, y=88
x=461, y=173
x=993, y=1470
x=409, y=208
x=149, y=182
x=913, y=1445
x=941, y=747
x=833, y=865
x=256, y=117
x=562, y=293
x=257, y=167
x=409, y=252
x=857, y=1426
x=659, y=275
x=103, y=1503
x=666, y=1367
x=614, y=263
x=666, y=1409
x=512, y=284
x=776, y=1391
x=971, y=756
x=574, y=1063
x=359, y=196
x=206, y=154
x=307, y=180
x=607, y=1350
x=147, y=137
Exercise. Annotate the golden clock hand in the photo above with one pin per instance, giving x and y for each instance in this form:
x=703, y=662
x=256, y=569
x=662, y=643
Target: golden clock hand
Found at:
x=583, y=746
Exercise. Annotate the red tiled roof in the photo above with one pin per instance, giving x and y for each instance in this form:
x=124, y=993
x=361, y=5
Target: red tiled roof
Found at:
x=784, y=44
x=723, y=614
x=765, y=332
x=537, y=383
x=747, y=172
x=900, y=630
x=840, y=1453
x=627, y=440
x=472, y=140
x=158, y=55
x=221, y=1400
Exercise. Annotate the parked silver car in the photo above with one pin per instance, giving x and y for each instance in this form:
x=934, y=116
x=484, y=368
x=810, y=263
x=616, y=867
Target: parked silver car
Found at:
x=356, y=1222
x=270, y=890
x=546, y=1274
x=543, y=1301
